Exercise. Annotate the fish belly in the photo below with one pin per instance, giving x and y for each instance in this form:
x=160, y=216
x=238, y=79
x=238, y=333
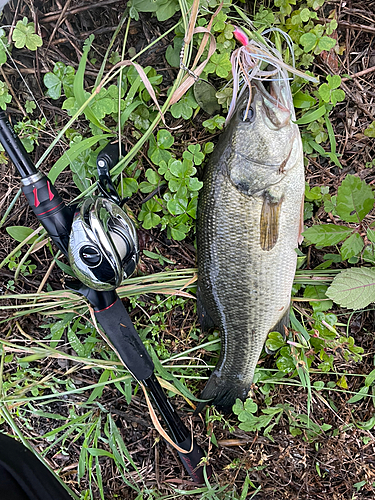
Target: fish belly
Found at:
x=245, y=290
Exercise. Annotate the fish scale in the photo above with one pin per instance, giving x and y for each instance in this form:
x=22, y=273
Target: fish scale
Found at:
x=244, y=289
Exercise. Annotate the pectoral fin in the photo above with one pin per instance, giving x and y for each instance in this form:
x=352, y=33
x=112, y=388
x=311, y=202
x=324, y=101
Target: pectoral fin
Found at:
x=269, y=223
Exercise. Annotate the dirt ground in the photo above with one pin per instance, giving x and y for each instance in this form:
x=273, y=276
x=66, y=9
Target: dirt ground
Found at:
x=287, y=467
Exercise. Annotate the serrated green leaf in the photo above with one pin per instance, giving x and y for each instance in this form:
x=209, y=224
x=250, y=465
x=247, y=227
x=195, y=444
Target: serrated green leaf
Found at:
x=327, y=234
x=314, y=193
x=352, y=246
x=355, y=199
x=353, y=288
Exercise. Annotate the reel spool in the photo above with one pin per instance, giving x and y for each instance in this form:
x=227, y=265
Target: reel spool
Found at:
x=103, y=246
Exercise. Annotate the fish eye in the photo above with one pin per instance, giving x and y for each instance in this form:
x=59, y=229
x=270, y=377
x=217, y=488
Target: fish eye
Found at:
x=247, y=117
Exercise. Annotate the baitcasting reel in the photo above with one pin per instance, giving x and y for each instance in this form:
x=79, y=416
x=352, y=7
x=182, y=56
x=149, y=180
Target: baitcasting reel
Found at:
x=103, y=246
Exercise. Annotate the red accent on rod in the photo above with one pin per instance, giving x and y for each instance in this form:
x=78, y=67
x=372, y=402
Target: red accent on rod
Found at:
x=36, y=201
x=50, y=194
x=46, y=212
x=106, y=307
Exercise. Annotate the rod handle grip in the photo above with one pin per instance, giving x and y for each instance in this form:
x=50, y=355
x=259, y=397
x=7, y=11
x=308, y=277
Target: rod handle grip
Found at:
x=192, y=459
x=119, y=329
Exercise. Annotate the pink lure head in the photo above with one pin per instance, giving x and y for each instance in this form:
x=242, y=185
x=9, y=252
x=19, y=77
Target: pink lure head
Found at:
x=240, y=36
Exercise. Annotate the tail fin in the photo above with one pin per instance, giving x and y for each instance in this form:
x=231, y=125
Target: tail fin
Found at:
x=222, y=393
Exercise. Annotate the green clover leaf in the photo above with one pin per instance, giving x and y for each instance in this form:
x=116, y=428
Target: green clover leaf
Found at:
x=194, y=154
x=30, y=106
x=148, y=216
x=53, y=84
x=184, y=107
x=219, y=64
x=24, y=35
x=216, y=122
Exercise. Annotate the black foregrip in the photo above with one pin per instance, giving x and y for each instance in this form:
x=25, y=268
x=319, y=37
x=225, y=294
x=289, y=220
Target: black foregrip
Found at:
x=192, y=459
x=49, y=208
x=120, y=330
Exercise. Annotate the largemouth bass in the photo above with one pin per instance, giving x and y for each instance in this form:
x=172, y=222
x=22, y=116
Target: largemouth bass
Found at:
x=249, y=221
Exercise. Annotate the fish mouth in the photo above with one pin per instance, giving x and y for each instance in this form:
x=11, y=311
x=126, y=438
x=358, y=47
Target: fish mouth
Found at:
x=277, y=101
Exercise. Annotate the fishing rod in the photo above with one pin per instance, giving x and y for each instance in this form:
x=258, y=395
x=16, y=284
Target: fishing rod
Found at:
x=100, y=241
